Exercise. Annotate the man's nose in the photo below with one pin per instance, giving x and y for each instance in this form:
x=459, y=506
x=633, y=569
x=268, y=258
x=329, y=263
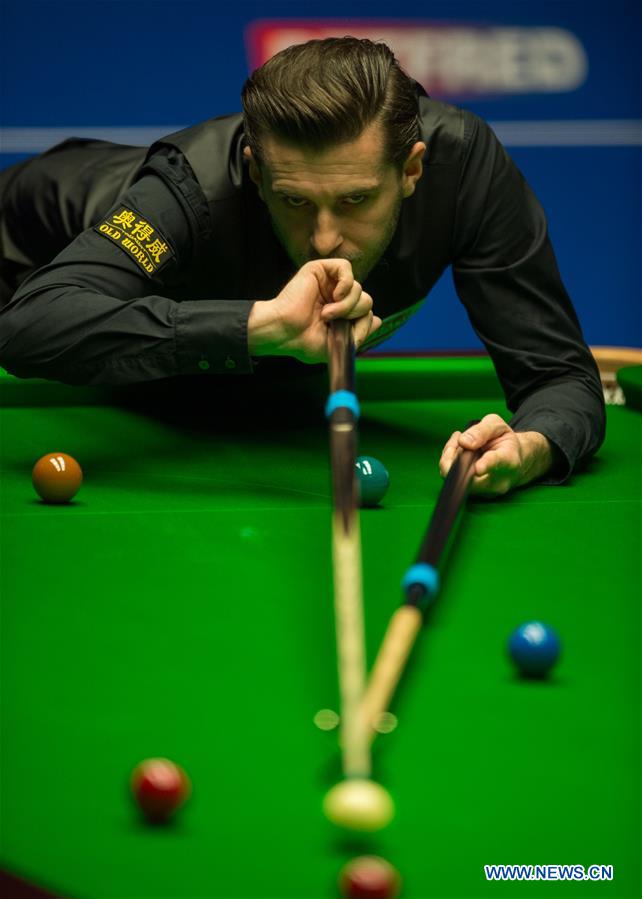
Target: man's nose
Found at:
x=326, y=237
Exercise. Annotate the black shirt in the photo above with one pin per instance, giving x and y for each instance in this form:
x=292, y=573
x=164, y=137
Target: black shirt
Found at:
x=138, y=264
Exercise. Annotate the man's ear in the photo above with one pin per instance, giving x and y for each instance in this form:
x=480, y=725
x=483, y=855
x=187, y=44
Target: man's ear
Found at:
x=413, y=168
x=254, y=170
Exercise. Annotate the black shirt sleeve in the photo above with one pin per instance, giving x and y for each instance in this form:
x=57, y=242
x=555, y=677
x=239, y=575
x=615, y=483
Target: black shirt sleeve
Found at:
x=507, y=277
x=96, y=315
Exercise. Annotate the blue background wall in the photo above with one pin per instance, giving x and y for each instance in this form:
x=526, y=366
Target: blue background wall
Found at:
x=163, y=65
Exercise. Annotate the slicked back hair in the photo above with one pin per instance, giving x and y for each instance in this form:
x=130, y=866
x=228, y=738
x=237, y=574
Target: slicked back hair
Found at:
x=326, y=92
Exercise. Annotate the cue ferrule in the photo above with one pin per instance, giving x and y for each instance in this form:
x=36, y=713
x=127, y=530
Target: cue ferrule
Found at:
x=343, y=400
x=420, y=585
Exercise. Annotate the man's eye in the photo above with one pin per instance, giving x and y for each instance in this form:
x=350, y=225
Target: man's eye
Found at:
x=356, y=199
x=295, y=202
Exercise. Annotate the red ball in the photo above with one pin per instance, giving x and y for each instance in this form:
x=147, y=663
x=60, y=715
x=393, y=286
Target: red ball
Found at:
x=159, y=788
x=56, y=477
x=369, y=877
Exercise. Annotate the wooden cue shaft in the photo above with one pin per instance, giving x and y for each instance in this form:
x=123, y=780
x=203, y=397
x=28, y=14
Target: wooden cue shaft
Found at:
x=395, y=650
x=348, y=606
x=346, y=547
x=406, y=621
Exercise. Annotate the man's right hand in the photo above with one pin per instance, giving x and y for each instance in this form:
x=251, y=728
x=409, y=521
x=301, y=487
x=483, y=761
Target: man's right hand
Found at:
x=295, y=323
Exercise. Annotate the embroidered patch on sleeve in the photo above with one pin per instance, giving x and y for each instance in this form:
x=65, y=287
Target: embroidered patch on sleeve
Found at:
x=138, y=238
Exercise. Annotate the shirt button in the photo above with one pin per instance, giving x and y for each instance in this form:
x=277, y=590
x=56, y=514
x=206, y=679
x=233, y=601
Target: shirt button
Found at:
x=204, y=365
x=230, y=363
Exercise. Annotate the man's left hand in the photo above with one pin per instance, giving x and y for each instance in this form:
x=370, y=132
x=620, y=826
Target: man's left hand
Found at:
x=509, y=458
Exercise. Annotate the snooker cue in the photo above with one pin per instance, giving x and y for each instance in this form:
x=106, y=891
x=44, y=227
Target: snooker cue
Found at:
x=420, y=586
x=342, y=411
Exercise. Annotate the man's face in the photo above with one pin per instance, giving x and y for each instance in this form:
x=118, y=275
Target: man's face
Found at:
x=343, y=202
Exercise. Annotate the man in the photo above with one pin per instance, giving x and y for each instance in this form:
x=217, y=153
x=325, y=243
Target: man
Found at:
x=137, y=265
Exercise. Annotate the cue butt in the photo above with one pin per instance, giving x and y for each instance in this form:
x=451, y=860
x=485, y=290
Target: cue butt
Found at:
x=391, y=660
x=341, y=353
x=348, y=600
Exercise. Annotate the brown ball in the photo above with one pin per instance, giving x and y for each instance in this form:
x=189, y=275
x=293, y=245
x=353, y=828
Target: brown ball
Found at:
x=56, y=477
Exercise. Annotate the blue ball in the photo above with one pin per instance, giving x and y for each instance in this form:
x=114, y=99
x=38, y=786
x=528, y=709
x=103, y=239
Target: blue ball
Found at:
x=534, y=647
x=373, y=480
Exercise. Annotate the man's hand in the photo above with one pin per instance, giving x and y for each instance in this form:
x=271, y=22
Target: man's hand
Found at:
x=509, y=459
x=295, y=323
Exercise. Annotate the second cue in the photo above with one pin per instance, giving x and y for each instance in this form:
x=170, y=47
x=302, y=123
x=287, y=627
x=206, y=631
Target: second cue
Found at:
x=420, y=586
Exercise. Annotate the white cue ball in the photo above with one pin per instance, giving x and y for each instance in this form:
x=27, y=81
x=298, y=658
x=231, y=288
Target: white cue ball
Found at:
x=359, y=804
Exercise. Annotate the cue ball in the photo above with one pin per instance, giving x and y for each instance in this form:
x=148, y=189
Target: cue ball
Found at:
x=373, y=480
x=159, y=787
x=56, y=477
x=359, y=804
x=369, y=877
x=534, y=648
